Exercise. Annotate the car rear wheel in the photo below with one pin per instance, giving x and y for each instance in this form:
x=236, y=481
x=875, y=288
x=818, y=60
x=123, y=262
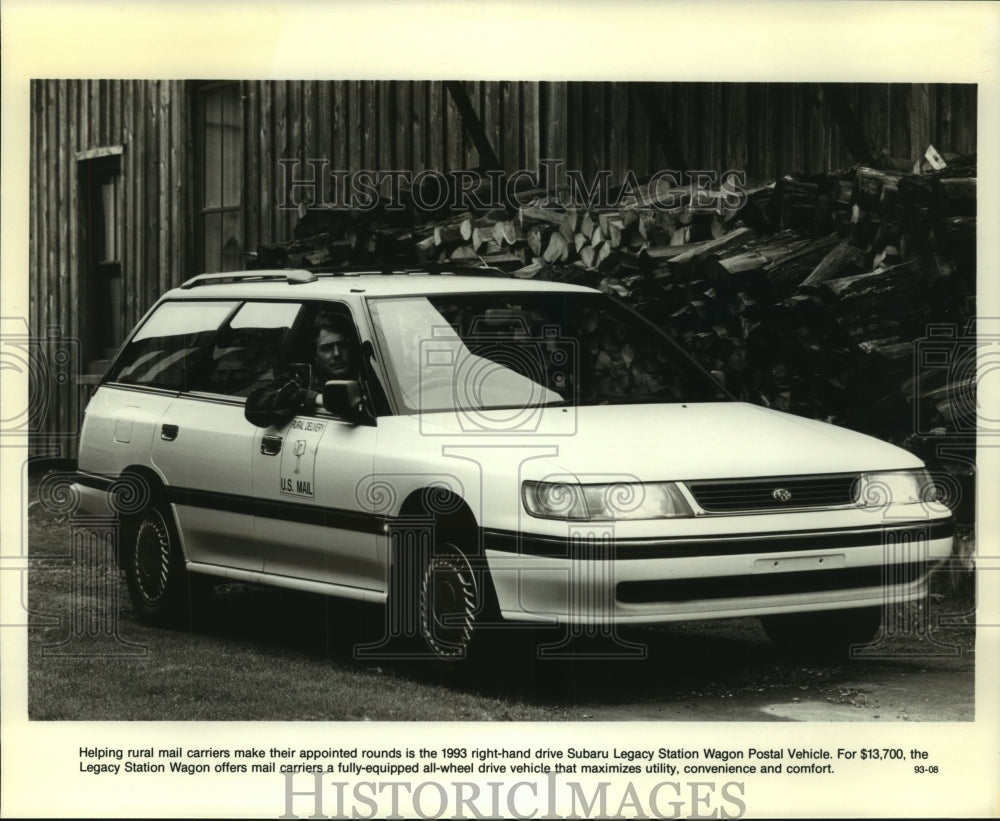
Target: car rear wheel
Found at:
x=154, y=568
x=827, y=634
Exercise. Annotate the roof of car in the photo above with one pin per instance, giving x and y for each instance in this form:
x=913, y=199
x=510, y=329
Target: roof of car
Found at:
x=297, y=284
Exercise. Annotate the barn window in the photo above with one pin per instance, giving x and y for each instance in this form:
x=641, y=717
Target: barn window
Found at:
x=220, y=118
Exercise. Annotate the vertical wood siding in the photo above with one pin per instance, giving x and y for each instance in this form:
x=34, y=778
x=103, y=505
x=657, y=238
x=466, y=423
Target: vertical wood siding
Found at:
x=765, y=129
x=69, y=117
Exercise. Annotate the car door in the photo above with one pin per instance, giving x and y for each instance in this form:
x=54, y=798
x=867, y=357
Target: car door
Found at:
x=311, y=520
x=204, y=446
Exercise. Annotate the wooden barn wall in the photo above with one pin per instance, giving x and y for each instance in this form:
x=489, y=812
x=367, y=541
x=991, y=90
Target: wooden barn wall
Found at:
x=69, y=118
x=358, y=125
x=767, y=129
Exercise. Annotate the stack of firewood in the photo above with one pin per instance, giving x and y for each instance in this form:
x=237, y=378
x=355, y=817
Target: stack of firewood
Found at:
x=809, y=297
x=812, y=296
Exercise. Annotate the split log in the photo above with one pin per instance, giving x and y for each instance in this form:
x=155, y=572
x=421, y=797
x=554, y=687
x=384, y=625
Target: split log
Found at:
x=648, y=224
x=734, y=239
x=869, y=184
x=788, y=271
x=506, y=232
x=557, y=249
x=538, y=238
x=681, y=236
x=426, y=249
x=718, y=228
x=569, y=224
x=603, y=253
x=481, y=236
x=462, y=253
x=828, y=267
x=880, y=280
x=503, y=260
x=759, y=254
x=538, y=213
x=450, y=234
x=668, y=252
x=528, y=271
x=615, y=230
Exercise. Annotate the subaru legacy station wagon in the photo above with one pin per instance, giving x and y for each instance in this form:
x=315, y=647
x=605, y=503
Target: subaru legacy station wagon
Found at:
x=474, y=450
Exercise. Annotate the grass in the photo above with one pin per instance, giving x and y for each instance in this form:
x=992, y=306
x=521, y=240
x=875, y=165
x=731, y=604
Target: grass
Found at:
x=266, y=654
x=254, y=654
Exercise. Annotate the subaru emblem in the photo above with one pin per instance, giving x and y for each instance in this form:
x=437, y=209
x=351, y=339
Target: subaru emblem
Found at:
x=780, y=494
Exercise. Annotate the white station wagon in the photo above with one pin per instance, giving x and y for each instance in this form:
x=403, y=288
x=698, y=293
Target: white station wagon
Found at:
x=488, y=450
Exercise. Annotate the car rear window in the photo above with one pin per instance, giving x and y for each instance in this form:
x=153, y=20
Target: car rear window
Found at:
x=165, y=351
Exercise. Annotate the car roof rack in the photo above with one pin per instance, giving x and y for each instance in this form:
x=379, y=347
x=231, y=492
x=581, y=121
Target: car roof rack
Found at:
x=433, y=268
x=299, y=276
x=292, y=276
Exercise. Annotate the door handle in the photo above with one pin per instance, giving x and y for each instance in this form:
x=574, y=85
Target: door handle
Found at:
x=270, y=445
x=169, y=432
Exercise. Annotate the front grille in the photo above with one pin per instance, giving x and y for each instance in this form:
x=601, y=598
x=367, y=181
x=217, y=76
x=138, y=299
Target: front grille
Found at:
x=666, y=591
x=776, y=493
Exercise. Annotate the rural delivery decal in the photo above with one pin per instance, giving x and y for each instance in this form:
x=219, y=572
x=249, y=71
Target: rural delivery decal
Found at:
x=298, y=458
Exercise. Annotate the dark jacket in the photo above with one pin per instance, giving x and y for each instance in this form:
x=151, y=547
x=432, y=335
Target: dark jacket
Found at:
x=277, y=403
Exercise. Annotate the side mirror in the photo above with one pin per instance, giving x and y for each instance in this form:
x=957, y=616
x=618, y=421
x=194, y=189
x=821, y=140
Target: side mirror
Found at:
x=343, y=398
x=719, y=377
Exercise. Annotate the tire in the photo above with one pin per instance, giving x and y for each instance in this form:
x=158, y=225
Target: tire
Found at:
x=828, y=634
x=454, y=600
x=154, y=569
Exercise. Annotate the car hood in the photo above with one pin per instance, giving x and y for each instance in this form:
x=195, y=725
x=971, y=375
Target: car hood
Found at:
x=688, y=442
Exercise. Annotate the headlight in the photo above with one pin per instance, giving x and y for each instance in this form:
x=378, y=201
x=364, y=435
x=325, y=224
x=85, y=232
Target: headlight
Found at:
x=895, y=487
x=554, y=500
x=617, y=501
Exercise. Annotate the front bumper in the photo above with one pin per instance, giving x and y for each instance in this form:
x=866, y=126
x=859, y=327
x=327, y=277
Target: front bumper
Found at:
x=590, y=577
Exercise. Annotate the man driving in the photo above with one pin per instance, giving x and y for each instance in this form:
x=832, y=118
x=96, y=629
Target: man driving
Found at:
x=334, y=357
x=292, y=392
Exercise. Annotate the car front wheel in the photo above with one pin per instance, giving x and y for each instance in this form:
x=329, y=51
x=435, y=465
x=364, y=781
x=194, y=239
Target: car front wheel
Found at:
x=450, y=603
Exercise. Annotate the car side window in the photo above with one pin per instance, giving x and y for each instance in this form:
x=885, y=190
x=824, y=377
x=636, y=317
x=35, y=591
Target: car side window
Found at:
x=245, y=353
x=166, y=350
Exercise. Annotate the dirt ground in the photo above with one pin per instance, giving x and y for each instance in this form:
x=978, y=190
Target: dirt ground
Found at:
x=728, y=670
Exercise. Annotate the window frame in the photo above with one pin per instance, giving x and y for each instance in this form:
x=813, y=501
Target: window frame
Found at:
x=111, y=375
x=373, y=382
x=100, y=277
x=203, y=212
x=201, y=373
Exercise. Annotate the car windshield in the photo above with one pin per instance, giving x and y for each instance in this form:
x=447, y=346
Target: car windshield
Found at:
x=514, y=350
